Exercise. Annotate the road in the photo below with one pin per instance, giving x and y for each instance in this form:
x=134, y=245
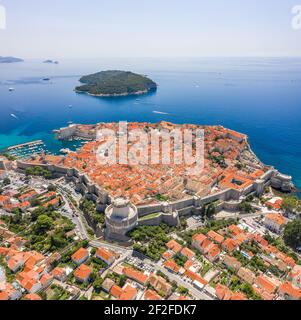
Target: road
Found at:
x=73, y=213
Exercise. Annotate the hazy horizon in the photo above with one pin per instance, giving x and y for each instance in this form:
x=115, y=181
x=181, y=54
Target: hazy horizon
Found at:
x=143, y=29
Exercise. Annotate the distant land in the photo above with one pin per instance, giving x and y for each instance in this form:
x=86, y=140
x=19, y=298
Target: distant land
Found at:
x=114, y=83
x=51, y=61
x=10, y=60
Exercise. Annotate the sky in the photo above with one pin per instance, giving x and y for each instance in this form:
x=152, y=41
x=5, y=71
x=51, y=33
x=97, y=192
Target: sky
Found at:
x=142, y=28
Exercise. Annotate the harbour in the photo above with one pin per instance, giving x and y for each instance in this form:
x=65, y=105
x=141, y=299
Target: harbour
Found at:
x=25, y=150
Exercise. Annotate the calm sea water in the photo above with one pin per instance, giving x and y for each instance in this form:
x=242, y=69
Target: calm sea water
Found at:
x=260, y=97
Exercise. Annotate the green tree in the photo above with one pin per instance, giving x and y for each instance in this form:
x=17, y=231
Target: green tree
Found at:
x=97, y=284
x=292, y=234
x=43, y=224
x=291, y=204
x=6, y=181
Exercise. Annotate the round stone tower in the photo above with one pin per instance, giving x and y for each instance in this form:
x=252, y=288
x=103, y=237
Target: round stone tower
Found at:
x=121, y=217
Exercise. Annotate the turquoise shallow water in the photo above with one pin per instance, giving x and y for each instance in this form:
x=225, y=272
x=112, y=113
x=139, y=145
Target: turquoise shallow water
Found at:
x=260, y=97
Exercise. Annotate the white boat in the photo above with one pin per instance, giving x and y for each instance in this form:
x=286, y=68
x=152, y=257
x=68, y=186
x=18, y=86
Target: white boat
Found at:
x=11, y=89
x=14, y=116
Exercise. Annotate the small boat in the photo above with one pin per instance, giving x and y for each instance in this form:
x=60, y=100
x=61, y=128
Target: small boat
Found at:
x=14, y=116
x=70, y=122
x=70, y=106
x=11, y=89
x=46, y=79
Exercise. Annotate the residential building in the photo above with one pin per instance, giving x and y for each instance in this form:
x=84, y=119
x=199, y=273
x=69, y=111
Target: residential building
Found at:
x=246, y=275
x=82, y=273
x=80, y=256
x=232, y=263
x=105, y=255
x=275, y=222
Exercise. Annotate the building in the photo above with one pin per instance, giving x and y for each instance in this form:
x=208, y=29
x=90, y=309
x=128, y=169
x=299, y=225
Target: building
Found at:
x=59, y=274
x=32, y=297
x=213, y=253
x=246, y=275
x=105, y=255
x=187, y=253
x=231, y=263
x=80, y=256
x=174, y=246
x=121, y=217
x=295, y=276
x=107, y=285
x=135, y=275
x=275, y=222
x=151, y=295
x=160, y=284
x=229, y=245
x=289, y=292
x=82, y=273
x=214, y=236
x=197, y=241
x=127, y=293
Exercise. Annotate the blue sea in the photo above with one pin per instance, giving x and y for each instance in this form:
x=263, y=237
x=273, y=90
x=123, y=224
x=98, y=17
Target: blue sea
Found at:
x=257, y=96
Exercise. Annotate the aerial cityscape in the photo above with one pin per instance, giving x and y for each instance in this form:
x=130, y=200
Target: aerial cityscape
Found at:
x=148, y=179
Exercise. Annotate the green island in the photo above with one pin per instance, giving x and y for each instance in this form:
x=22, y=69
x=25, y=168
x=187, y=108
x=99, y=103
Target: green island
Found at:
x=115, y=83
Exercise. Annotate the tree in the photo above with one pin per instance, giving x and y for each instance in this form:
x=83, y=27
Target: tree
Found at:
x=292, y=234
x=6, y=181
x=43, y=224
x=246, y=207
x=97, y=283
x=291, y=204
x=51, y=187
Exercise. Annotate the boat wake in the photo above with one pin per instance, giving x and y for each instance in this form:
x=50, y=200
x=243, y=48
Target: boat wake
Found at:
x=159, y=112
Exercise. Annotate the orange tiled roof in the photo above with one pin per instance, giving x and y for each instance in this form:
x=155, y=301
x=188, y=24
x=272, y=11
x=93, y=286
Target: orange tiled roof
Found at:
x=80, y=254
x=276, y=218
x=174, y=246
x=187, y=253
x=82, y=272
x=215, y=236
x=104, y=254
x=135, y=275
x=32, y=297
x=151, y=295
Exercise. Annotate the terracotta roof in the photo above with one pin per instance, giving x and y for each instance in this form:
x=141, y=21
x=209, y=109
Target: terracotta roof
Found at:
x=215, y=236
x=276, y=218
x=116, y=291
x=230, y=245
x=266, y=284
x=288, y=289
x=135, y=275
x=4, y=296
x=151, y=295
x=174, y=246
x=32, y=297
x=104, y=254
x=187, y=253
x=80, y=254
x=82, y=272
x=171, y=265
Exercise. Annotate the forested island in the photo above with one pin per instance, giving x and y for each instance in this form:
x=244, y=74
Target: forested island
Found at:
x=10, y=60
x=51, y=61
x=115, y=83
